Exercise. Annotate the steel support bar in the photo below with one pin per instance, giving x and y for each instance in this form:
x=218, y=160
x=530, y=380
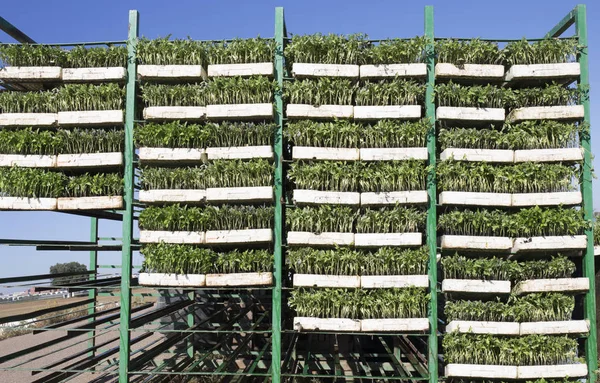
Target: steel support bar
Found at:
x=591, y=348
x=128, y=175
x=15, y=32
x=563, y=25
x=42, y=242
x=62, y=375
x=432, y=194
x=37, y=313
x=75, y=320
x=279, y=198
x=38, y=277
x=93, y=293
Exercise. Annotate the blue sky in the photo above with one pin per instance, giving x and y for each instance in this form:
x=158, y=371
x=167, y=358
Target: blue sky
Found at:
x=78, y=21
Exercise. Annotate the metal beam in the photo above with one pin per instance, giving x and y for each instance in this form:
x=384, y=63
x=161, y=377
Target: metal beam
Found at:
x=563, y=25
x=432, y=194
x=38, y=277
x=279, y=193
x=15, y=32
x=128, y=175
x=591, y=347
x=93, y=293
x=37, y=313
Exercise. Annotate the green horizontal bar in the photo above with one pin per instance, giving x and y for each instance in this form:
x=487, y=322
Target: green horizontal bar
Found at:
x=43, y=276
x=356, y=333
x=42, y=242
x=71, y=44
x=355, y=377
x=495, y=40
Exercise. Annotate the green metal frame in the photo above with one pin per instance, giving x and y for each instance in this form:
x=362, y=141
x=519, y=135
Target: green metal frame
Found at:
x=591, y=342
x=578, y=18
x=125, y=365
x=432, y=196
x=126, y=255
x=279, y=200
x=93, y=293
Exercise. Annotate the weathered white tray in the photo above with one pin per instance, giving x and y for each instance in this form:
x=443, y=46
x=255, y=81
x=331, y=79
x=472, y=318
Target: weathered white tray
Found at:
x=393, y=154
x=387, y=111
x=555, y=328
x=393, y=281
x=470, y=71
x=174, y=280
x=239, y=279
x=329, y=154
x=89, y=160
x=469, y=114
x=242, y=70
x=27, y=160
x=549, y=155
x=20, y=203
x=323, y=111
x=90, y=203
x=393, y=70
x=474, y=198
x=250, y=111
x=387, y=239
x=565, y=242
x=315, y=197
x=484, y=327
x=184, y=237
x=189, y=196
x=315, y=280
x=478, y=155
x=246, y=194
x=169, y=154
x=28, y=119
x=563, y=285
x=173, y=72
x=239, y=236
x=546, y=199
x=30, y=73
x=393, y=198
x=556, y=71
x=326, y=324
x=93, y=74
x=481, y=371
x=468, y=242
x=239, y=152
x=556, y=371
x=91, y=117
x=152, y=113
x=321, y=239
x=571, y=112
x=394, y=324
x=475, y=286
x=325, y=70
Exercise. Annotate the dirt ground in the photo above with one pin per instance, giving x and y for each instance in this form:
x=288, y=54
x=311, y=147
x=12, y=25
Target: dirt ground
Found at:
x=16, y=308
x=63, y=351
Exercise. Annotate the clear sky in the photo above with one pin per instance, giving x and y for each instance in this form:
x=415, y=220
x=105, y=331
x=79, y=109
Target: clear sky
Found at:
x=79, y=21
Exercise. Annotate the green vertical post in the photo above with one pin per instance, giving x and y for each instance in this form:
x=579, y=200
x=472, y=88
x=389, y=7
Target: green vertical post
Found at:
x=432, y=195
x=190, y=324
x=278, y=179
x=125, y=336
x=92, y=293
x=591, y=349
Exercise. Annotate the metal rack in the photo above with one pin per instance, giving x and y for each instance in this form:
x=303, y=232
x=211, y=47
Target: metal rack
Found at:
x=275, y=350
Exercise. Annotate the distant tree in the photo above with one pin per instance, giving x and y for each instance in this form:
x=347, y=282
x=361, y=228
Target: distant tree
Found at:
x=71, y=267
